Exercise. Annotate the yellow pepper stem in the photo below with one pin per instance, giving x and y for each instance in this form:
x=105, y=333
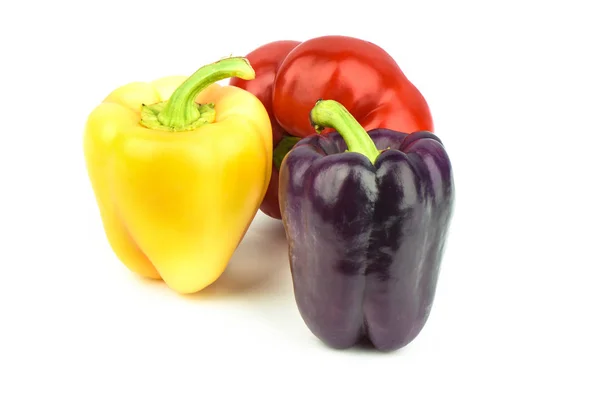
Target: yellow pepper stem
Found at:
x=181, y=112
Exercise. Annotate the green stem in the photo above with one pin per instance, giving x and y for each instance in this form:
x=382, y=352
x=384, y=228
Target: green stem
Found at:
x=281, y=150
x=181, y=112
x=330, y=113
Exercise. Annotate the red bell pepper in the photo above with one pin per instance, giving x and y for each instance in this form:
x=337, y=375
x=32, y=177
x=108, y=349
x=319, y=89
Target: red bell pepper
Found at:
x=292, y=76
x=265, y=61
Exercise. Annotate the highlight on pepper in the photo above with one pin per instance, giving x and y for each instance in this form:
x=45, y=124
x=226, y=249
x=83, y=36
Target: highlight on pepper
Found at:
x=179, y=167
x=366, y=214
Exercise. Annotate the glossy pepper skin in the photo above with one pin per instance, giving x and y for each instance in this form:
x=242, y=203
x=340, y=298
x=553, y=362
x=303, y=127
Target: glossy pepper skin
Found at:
x=366, y=234
x=266, y=61
x=354, y=72
x=179, y=168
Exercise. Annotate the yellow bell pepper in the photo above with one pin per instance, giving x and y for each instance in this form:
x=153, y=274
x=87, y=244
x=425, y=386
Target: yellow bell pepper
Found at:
x=179, y=168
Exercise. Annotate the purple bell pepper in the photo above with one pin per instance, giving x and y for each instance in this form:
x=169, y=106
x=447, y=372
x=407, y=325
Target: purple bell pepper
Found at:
x=366, y=215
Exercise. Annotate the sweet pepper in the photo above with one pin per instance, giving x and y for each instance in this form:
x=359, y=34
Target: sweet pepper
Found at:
x=266, y=61
x=355, y=72
x=179, y=168
x=366, y=215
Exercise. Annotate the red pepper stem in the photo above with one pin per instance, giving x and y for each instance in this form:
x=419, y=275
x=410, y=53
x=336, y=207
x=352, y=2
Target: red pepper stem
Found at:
x=330, y=113
x=181, y=110
x=281, y=150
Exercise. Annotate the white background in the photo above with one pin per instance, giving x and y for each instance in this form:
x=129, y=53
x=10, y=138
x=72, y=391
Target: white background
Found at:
x=513, y=87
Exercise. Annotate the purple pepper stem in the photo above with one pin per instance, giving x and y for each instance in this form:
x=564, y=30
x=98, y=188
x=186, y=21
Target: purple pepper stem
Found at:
x=330, y=113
